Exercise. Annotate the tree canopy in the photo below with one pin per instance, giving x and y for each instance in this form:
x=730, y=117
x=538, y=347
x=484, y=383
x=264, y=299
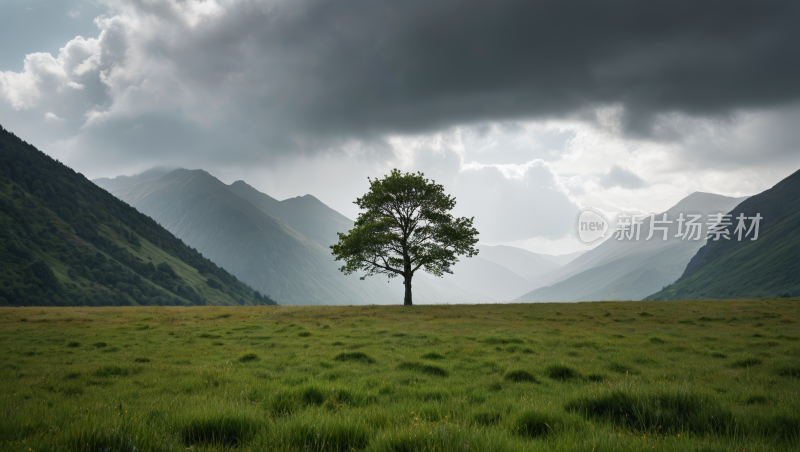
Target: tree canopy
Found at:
x=405, y=226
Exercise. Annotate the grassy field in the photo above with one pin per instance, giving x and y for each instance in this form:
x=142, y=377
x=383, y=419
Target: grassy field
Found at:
x=639, y=376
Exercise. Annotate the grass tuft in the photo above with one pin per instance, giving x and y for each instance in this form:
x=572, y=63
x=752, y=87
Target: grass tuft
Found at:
x=561, y=372
x=424, y=368
x=789, y=371
x=312, y=396
x=328, y=437
x=520, y=376
x=249, y=356
x=747, y=362
x=283, y=404
x=756, y=400
x=487, y=418
x=359, y=357
x=622, y=369
x=497, y=340
x=113, y=370
x=432, y=356
x=219, y=430
x=533, y=425
x=655, y=411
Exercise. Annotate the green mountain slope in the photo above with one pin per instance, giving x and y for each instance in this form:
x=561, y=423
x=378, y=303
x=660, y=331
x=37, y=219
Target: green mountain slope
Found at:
x=766, y=267
x=247, y=241
x=67, y=242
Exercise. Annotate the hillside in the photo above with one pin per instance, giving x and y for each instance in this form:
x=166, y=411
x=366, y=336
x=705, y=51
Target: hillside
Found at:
x=766, y=267
x=631, y=270
x=67, y=242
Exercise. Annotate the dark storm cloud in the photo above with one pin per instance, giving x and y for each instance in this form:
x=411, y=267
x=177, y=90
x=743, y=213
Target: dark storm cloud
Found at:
x=351, y=66
x=264, y=79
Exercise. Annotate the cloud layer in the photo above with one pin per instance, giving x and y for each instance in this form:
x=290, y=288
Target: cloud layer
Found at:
x=519, y=106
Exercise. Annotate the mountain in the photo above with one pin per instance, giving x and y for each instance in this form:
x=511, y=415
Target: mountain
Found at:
x=67, y=242
x=251, y=235
x=305, y=214
x=522, y=262
x=127, y=181
x=563, y=259
x=245, y=240
x=631, y=269
x=766, y=267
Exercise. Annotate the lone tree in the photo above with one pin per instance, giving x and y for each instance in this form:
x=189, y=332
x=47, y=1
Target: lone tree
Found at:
x=406, y=226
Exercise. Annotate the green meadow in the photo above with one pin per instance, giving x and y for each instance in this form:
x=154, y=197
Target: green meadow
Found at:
x=605, y=376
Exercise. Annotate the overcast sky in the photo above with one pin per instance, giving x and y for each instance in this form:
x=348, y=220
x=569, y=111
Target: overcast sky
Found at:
x=524, y=110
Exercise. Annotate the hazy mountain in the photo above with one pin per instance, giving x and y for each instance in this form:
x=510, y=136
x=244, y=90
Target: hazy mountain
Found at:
x=243, y=236
x=67, y=242
x=260, y=200
x=766, y=267
x=563, y=259
x=305, y=214
x=127, y=181
x=311, y=217
x=257, y=247
x=494, y=281
x=631, y=270
x=524, y=263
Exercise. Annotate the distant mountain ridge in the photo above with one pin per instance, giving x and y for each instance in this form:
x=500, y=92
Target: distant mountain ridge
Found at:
x=305, y=214
x=630, y=270
x=563, y=259
x=127, y=181
x=257, y=238
x=67, y=242
x=247, y=241
x=523, y=262
x=766, y=267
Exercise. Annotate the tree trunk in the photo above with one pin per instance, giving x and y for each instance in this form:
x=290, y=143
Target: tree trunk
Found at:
x=407, y=301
